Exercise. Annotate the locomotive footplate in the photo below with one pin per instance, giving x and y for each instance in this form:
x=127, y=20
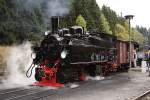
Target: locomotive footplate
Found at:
x=48, y=83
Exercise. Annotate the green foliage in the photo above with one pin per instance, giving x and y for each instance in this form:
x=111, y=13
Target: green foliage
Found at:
x=104, y=25
x=111, y=16
x=121, y=32
x=138, y=37
x=80, y=21
x=88, y=9
x=145, y=32
x=16, y=22
x=19, y=23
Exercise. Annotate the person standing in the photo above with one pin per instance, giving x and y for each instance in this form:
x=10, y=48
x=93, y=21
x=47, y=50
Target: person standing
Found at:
x=134, y=58
x=140, y=57
x=148, y=60
x=149, y=57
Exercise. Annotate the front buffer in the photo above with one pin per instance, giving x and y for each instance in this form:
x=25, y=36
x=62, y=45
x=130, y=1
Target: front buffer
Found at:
x=45, y=74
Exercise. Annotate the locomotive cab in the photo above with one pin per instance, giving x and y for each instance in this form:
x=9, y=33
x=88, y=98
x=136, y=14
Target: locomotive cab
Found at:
x=76, y=30
x=47, y=33
x=64, y=32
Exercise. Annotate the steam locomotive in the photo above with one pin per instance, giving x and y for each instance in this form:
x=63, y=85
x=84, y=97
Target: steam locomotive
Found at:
x=68, y=55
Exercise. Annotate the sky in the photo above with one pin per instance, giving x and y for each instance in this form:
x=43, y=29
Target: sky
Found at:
x=139, y=8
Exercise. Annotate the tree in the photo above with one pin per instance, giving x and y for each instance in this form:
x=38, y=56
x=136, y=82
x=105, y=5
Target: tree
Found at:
x=138, y=37
x=121, y=32
x=111, y=17
x=104, y=25
x=80, y=21
x=145, y=32
x=90, y=11
x=16, y=22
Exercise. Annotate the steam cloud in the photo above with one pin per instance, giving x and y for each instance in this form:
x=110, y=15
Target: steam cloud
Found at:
x=18, y=62
x=51, y=7
x=57, y=7
x=20, y=56
x=96, y=78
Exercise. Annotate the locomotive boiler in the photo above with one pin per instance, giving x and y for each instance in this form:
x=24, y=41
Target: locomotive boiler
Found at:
x=69, y=54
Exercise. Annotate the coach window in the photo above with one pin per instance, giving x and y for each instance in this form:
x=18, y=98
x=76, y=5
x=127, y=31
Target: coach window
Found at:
x=79, y=31
x=106, y=57
x=92, y=57
x=97, y=56
x=102, y=57
x=65, y=31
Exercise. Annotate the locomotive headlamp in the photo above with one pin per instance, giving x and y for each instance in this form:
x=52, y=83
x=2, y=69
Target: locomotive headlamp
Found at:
x=63, y=54
x=47, y=32
x=33, y=55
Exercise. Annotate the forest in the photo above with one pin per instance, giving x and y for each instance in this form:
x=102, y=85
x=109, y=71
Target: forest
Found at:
x=22, y=20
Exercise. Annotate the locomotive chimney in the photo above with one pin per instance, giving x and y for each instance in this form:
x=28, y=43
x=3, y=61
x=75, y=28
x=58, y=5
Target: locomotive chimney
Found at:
x=55, y=24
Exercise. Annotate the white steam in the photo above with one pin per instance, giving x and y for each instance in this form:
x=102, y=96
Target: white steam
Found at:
x=48, y=8
x=96, y=78
x=74, y=85
x=57, y=7
x=18, y=62
x=51, y=7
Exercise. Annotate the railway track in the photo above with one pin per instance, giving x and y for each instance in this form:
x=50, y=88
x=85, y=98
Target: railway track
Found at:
x=46, y=93
x=144, y=96
x=32, y=93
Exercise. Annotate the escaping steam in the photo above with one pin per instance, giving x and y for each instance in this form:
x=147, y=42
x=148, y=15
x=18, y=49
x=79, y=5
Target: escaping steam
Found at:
x=18, y=62
x=49, y=7
x=74, y=85
x=57, y=7
x=19, y=58
x=96, y=78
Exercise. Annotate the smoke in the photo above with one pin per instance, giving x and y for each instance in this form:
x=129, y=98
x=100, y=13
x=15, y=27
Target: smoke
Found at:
x=74, y=85
x=96, y=78
x=18, y=62
x=57, y=7
x=29, y=5
x=49, y=7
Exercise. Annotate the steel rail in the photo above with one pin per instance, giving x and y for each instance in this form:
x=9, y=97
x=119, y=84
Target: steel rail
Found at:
x=142, y=95
x=3, y=93
x=28, y=94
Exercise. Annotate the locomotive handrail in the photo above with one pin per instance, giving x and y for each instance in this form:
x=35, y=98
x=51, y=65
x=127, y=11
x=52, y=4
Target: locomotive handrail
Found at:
x=57, y=62
x=29, y=75
x=97, y=62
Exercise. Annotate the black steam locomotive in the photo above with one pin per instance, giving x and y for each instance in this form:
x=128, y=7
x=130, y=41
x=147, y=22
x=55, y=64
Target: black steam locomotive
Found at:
x=67, y=55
